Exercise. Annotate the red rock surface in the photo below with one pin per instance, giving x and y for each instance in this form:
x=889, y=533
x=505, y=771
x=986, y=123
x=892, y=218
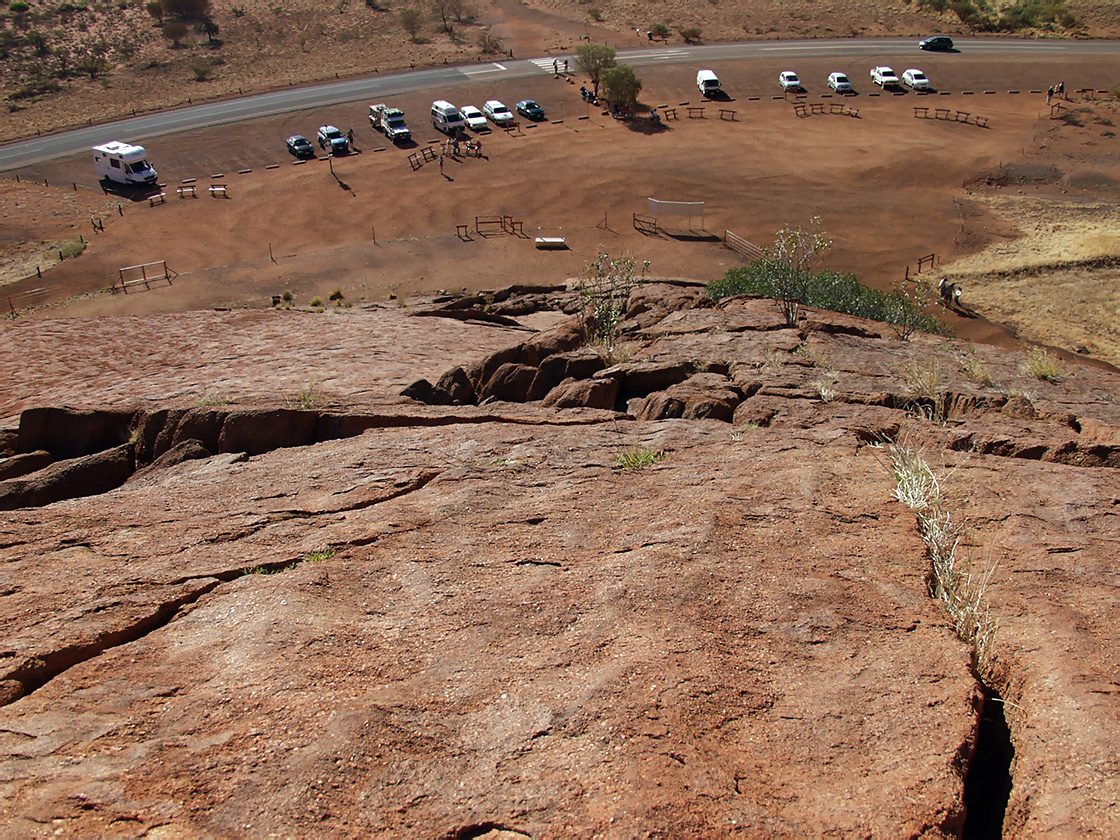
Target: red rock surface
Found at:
x=474, y=619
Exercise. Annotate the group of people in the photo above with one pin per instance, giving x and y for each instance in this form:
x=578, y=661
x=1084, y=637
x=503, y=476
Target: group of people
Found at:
x=452, y=147
x=1058, y=90
x=588, y=95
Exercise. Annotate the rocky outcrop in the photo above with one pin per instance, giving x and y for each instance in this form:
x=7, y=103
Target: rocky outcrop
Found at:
x=563, y=619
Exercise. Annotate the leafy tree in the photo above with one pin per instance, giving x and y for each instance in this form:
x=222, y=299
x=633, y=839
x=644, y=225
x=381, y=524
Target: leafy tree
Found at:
x=155, y=9
x=210, y=28
x=443, y=11
x=593, y=59
x=411, y=21
x=187, y=9
x=620, y=85
x=659, y=30
x=38, y=42
x=175, y=32
x=691, y=34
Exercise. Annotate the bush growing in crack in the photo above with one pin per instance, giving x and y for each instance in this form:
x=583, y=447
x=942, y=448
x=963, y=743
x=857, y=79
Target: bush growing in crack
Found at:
x=952, y=580
x=604, y=295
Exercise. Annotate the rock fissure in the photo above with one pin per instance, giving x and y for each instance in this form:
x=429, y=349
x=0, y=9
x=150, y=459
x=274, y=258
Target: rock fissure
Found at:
x=32, y=674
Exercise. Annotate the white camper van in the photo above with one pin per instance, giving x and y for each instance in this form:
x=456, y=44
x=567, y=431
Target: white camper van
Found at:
x=124, y=164
x=446, y=117
x=707, y=82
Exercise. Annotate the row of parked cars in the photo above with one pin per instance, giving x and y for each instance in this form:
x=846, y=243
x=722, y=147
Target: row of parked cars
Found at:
x=330, y=140
x=449, y=119
x=882, y=75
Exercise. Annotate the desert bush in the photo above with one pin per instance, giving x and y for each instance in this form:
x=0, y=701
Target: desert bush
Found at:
x=832, y=290
x=155, y=9
x=659, y=30
x=287, y=296
x=690, y=34
x=411, y=21
x=175, y=31
x=336, y=294
x=922, y=377
x=1041, y=364
x=319, y=556
x=1037, y=14
x=316, y=302
x=596, y=14
x=638, y=459
x=489, y=44
x=604, y=293
x=201, y=72
x=71, y=249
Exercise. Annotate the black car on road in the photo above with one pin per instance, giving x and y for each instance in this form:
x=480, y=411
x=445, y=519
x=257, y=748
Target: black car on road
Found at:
x=936, y=42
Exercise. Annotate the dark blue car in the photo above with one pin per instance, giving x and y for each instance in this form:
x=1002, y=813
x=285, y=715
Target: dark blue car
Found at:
x=530, y=109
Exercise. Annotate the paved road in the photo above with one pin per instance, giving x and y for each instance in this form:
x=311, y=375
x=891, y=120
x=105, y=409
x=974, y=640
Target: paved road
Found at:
x=27, y=152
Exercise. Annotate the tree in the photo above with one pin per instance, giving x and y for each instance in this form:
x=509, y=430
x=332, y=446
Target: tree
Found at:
x=443, y=11
x=461, y=10
x=175, y=32
x=411, y=21
x=187, y=9
x=210, y=28
x=790, y=261
x=155, y=9
x=92, y=63
x=593, y=59
x=690, y=35
x=620, y=85
x=604, y=296
x=659, y=30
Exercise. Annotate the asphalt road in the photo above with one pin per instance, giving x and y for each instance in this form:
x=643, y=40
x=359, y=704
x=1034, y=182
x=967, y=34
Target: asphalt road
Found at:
x=27, y=152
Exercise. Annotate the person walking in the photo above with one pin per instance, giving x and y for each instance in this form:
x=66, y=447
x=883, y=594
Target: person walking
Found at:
x=1062, y=90
x=455, y=147
x=441, y=164
x=1049, y=94
x=555, y=68
x=478, y=147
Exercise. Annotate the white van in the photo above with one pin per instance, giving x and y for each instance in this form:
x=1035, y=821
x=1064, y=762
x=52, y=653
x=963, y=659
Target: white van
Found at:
x=446, y=117
x=124, y=164
x=707, y=82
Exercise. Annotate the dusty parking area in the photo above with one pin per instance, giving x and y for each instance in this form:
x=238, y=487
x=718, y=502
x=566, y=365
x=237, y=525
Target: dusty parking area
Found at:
x=887, y=187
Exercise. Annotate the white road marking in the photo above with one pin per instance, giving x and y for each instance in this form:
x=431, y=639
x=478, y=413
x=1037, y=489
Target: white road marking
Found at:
x=475, y=71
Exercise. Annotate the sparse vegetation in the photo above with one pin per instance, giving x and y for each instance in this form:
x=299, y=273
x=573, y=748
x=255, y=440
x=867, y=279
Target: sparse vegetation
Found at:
x=659, y=30
x=71, y=249
x=690, y=34
x=490, y=44
x=318, y=556
x=973, y=367
x=639, y=459
x=308, y=399
x=604, y=294
x=922, y=377
x=786, y=274
x=411, y=22
x=316, y=302
x=1044, y=365
x=211, y=399
x=201, y=72
x=287, y=296
x=951, y=579
x=336, y=295
x=174, y=31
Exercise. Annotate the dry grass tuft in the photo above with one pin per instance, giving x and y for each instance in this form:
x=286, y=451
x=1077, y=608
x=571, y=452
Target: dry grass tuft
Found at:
x=1042, y=364
x=973, y=367
x=953, y=580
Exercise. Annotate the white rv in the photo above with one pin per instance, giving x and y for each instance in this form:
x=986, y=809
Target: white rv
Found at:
x=446, y=117
x=124, y=164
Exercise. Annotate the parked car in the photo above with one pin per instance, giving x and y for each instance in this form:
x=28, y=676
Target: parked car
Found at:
x=476, y=120
x=529, y=108
x=884, y=76
x=498, y=113
x=789, y=81
x=936, y=42
x=839, y=82
x=332, y=140
x=916, y=79
x=300, y=146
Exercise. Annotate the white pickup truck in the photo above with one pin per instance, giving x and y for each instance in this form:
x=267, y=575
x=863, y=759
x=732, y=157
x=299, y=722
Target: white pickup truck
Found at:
x=884, y=77
x=389, y=121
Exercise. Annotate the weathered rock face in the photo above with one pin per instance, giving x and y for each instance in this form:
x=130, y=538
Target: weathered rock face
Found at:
x=464, y=618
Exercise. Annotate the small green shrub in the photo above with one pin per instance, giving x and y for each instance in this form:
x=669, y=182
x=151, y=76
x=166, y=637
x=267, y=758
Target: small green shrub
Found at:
x=690, y=34
x=318, y=556
x=316, y=302
x=71, y=249
x=659, y=30
x=973, y=367
x=287, y=296
x=596, y=14
x=336, y=294
x=639, y=459
x=201, y=72
x=832, y=290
